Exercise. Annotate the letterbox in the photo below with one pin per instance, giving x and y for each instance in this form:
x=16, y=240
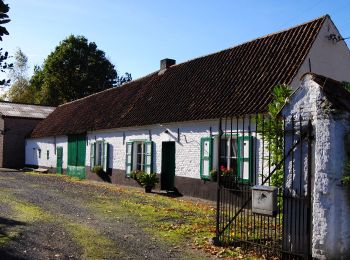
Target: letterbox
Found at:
x=264, y=200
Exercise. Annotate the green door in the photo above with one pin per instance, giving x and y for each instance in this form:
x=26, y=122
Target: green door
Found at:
x=76, y=156
x=168, y=166
x=59, y=154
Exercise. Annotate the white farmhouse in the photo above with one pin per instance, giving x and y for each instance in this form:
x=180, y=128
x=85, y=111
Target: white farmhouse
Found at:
x=166, y=122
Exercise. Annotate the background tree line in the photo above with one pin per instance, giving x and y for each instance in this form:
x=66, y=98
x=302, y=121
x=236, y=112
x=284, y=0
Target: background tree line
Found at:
x=75, y=69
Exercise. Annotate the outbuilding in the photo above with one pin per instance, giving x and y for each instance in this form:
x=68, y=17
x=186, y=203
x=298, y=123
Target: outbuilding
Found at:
x=16, y=123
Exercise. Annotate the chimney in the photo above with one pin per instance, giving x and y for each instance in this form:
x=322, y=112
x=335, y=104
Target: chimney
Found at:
x=166, y=63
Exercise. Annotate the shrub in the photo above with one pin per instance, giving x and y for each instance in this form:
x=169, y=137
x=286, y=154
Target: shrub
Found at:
x=136, y=175
x=148, y=180
x=98, y=169
x=214, y=175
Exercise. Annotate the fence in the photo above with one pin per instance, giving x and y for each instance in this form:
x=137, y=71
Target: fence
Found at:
x=257, y=150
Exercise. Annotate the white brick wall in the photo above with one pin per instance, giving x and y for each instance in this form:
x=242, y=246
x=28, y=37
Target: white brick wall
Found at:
x=331, y=203
x=187, y=151
x=45, y=144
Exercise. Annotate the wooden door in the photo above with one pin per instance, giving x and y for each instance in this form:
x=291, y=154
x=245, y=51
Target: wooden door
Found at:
x=168, y=166
x=76, y=156
x=59, y=154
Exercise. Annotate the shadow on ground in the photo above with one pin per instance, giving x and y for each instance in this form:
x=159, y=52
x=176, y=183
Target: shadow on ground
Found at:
x=7, y=224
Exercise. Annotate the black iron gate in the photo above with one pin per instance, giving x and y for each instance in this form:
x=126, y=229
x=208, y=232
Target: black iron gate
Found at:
x=253, y=151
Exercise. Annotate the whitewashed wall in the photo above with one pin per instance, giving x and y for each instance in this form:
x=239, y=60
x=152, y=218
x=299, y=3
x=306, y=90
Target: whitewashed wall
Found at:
x=331, y=203
x=187, y=150
x=327, y=58
x=45, y=144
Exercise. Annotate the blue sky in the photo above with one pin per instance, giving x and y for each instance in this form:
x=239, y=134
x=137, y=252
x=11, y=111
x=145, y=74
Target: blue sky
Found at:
x=137, y=34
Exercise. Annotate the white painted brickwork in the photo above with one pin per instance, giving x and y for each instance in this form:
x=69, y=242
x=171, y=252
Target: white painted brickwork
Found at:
x=45, y=144
x=331, y=203
x=187, y=151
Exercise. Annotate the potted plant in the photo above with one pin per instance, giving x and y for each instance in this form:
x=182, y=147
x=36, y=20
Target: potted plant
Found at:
x=98, y=169
x=228, y=177
x=148, y=181
x=214, y=175
x=136, y=175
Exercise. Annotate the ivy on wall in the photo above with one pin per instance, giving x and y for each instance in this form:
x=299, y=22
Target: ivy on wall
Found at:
x=346, y=173
x=271, y=129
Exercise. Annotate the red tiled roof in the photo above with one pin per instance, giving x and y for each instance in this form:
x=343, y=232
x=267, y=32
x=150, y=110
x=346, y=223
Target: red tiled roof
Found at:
x=232, y=82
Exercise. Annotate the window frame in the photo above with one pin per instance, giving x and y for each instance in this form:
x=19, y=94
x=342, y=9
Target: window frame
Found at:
x=99, y=154
x=208, y=158
x=146, y=164
x=240, y=159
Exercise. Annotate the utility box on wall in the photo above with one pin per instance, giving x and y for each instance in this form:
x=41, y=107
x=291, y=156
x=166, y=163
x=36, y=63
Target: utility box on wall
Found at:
x=264, y=200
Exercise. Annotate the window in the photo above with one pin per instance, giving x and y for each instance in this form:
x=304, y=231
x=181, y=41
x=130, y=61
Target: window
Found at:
x=235, y=154
x=99, y=154
x=138, y=156
x=47, y=154
x=39, y=153
x=229, y=153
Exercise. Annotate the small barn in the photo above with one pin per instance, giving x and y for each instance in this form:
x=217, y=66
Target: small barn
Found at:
x=168, y=121
x=16, y=123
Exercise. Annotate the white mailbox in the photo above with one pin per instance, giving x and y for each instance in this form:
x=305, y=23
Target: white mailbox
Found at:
x=264, y=200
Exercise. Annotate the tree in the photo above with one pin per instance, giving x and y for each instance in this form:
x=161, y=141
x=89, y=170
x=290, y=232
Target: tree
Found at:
x=4, y=18
x=75, y=69
x=20, y=90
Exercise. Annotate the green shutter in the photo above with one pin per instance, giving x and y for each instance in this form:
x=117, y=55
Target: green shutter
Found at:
x=245, y=158
x=59, y=154
x=92, y=155
x=128, y=158
x=148, y=146
x=206, y=157
x=105, y=156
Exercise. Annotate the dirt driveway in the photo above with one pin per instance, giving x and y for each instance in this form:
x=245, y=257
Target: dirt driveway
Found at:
x=54, y=217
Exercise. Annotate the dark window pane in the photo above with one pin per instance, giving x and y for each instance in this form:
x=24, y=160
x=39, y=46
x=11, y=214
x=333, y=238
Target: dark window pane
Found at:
x=234, y=148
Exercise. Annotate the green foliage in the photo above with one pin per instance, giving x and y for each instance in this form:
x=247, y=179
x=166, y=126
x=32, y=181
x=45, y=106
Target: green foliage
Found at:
x=214, y=175
x=75, y=69
x=136, y=175
x=346, y=177
x=271, y=129
x=223, y=172
x=20, y=90
x=346, y=85
x=4, y=18
x=98, y=169
x=149, y=180
x=145, y=179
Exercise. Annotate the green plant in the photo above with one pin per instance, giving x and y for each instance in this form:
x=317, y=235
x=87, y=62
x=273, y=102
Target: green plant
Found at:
x=98, y=169
x=346, y=177
x=271, y=129
x=346, y=170
x=136, y=175
x=214, y=175
x=346, y=85
x=223, y=172
x=148, y=180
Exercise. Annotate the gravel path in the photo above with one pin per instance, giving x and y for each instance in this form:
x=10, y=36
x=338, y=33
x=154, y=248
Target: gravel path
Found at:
x=68, y=206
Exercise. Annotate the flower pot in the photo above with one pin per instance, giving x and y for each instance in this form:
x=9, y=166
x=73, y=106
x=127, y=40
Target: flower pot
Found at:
x=148, y=189
x=229, y=181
